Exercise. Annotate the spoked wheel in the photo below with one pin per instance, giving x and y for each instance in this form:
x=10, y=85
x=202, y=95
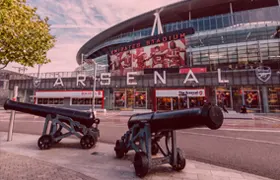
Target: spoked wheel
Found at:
x=155, y=149
x=181, y=161
x=45, y=142
x=56, y=135
x=120, y=149
x=141, y=164
x=87, y=141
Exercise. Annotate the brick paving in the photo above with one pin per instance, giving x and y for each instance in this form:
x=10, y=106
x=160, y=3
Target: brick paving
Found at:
x=96, y=163
x=18, y=167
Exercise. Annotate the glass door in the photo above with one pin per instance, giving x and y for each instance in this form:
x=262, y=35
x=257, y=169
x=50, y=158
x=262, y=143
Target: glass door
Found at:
x=140, y=100
x=130, y=98
x=224, y=97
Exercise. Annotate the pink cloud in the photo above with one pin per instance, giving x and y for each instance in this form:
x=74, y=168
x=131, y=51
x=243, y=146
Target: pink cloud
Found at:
x=80, y=19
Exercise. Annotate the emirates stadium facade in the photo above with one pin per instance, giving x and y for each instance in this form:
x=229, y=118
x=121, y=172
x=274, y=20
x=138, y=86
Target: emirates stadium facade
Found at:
x=180, y=56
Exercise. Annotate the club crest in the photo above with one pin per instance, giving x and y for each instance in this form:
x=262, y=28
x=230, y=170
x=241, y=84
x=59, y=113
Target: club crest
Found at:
x=36, y=82
x=263, y=73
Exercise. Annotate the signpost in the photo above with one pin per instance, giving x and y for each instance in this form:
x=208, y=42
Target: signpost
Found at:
x=12, y=117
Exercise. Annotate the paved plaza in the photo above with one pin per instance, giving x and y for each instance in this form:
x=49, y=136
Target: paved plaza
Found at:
x=21, y=159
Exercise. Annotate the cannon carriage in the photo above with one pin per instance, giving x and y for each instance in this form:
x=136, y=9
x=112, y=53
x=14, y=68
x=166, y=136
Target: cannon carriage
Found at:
x=148, y=129
x=84, y=125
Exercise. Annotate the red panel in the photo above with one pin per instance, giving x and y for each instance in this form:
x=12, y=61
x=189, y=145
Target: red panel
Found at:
x=194, y=70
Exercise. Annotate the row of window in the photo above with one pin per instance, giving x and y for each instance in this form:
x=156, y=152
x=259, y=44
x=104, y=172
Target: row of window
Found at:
x=232, y=37
x=245, y=53
x=74, y=101
x=213, y=22
x=50, y=101
x=85, y=101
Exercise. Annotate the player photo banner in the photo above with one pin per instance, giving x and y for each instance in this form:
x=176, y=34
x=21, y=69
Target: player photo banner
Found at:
x=157, y=39
x=167, y=54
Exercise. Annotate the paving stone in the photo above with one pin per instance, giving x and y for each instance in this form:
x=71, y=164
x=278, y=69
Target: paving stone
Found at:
x=14, y=167
x=226, y=174
x=66, y=159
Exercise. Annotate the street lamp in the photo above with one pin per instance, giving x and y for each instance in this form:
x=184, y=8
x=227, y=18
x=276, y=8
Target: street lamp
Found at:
x=94, y=86
x=95, y=66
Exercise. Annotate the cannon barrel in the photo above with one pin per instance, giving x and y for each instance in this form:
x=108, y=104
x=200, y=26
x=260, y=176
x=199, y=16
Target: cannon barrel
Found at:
x=85, y=118
x=208, y=115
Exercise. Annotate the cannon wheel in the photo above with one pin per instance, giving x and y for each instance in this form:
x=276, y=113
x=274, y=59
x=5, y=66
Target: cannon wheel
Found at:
x=181, y=161
x=141, y=164
x=155, y=149
x=45, y=142
x=87, y=141
x=120, y=149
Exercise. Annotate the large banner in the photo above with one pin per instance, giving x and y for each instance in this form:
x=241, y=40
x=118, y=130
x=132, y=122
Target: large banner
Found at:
x=166, y=51
x=163, y=55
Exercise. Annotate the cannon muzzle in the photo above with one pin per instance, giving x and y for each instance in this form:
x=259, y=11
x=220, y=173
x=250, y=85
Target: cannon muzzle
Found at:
x=208, y=115
x=85, y=118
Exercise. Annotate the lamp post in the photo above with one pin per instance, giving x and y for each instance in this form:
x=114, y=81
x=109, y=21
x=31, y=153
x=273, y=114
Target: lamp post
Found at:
x=94, y=86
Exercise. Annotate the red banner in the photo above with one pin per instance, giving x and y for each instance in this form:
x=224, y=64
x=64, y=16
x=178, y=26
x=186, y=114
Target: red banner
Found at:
x=162, y=55
x=194, y=70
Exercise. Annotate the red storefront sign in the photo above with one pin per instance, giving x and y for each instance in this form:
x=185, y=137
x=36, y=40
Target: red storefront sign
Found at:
x=194, y=70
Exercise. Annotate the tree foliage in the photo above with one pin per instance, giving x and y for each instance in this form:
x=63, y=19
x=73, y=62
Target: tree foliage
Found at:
x=24, y=37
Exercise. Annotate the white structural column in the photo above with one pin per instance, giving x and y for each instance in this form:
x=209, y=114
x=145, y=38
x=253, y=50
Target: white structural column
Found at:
x=157, y=23
x=279, y=2
x=231, y=13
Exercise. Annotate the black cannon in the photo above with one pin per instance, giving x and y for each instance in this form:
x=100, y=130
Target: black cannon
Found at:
x=147, y=129
x=82, y=124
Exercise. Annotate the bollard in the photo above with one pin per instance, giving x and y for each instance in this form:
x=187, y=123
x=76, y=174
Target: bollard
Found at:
x=12, y=117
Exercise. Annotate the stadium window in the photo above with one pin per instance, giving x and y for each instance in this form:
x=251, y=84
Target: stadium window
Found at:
x=74, y=101
x=207, y=24
x=55, y=101
x=237, y=18
x=213, y=24
x=201, y=25
x=45, y=100
x=40, y=101
x=180, y=25
x=219, y=22
x=196, y=58
x=50, y=101
x=185, y=24
x=226, y=20
x=195, y=25
x=232, y=54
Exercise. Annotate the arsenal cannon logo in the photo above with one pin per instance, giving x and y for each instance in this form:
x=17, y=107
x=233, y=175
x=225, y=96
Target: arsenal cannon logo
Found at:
x=263, y=73
x=36, y=82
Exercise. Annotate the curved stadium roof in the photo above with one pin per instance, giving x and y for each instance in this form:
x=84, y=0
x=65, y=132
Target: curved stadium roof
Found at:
x=172, y=13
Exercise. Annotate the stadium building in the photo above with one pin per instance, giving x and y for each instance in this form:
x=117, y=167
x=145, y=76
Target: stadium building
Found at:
x=179, y=56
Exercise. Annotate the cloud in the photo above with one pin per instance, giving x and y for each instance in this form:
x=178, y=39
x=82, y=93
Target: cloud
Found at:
x=74, y=22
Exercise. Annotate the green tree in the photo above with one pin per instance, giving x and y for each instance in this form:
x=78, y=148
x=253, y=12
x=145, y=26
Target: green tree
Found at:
x=24, y=37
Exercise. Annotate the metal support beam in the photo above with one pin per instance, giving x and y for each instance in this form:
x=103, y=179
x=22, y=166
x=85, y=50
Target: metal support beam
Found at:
x=157, y=23
x=231, y=13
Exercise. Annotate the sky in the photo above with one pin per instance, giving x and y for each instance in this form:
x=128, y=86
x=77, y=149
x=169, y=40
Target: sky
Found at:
x=74, y=22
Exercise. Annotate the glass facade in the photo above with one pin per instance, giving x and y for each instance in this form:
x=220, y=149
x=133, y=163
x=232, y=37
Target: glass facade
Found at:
x=130, y=98
x=223, y=22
